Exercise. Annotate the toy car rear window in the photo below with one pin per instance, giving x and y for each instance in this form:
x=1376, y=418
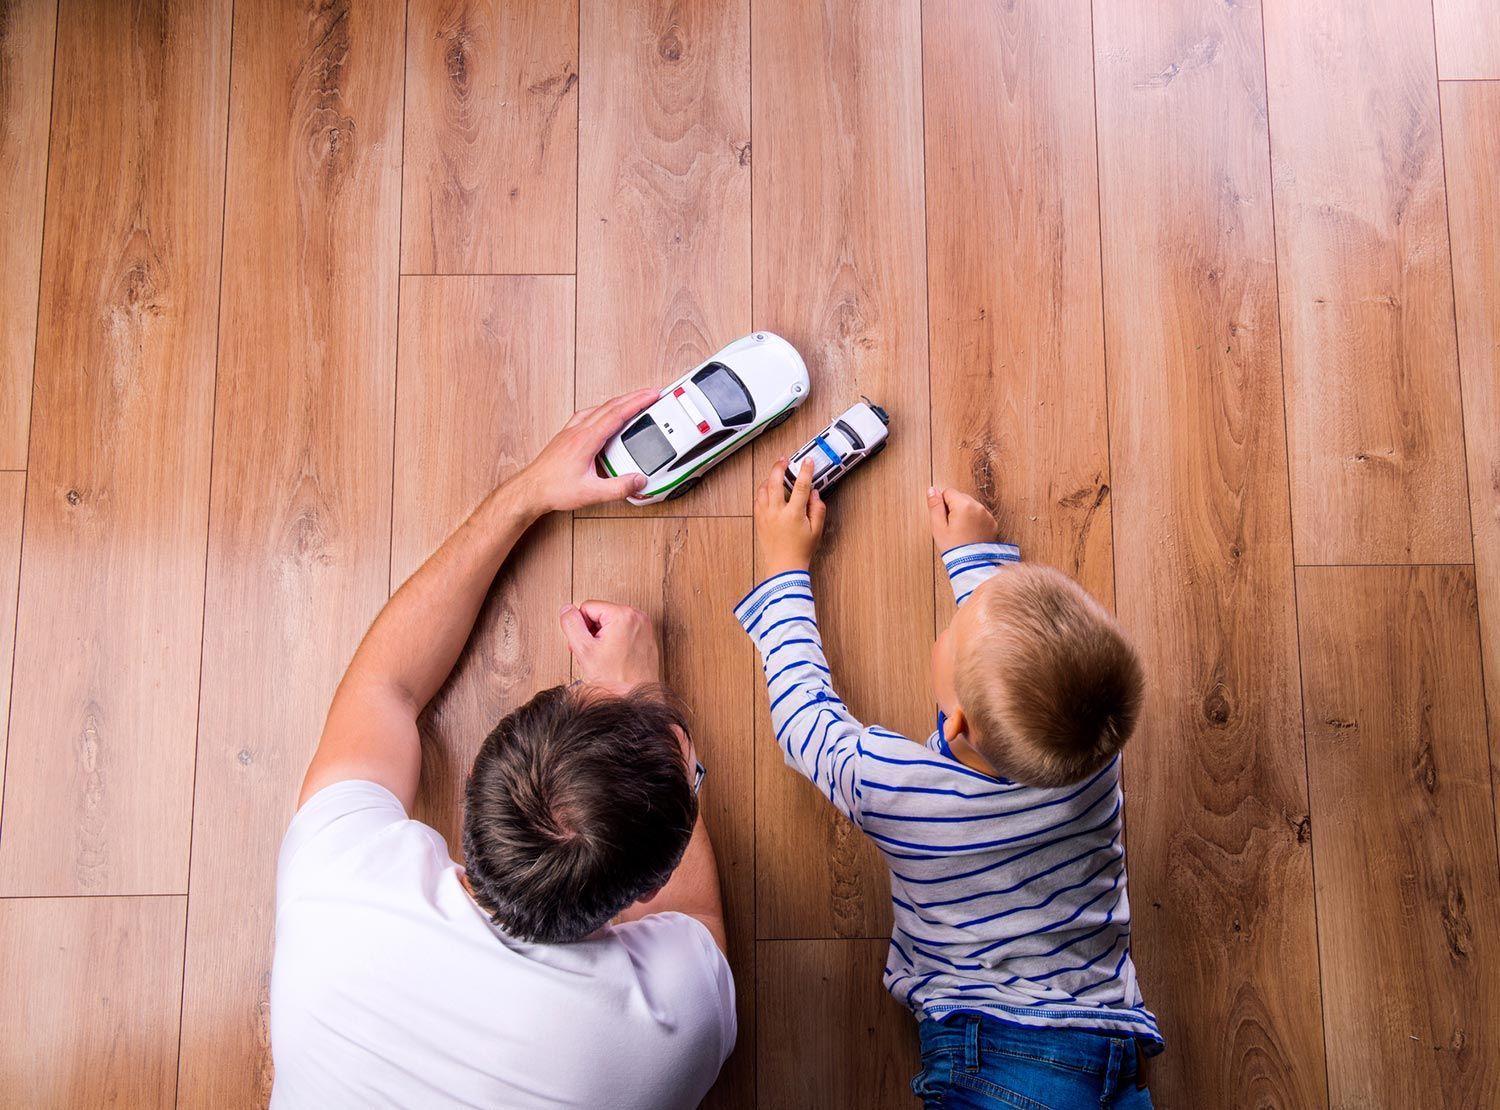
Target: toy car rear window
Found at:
x=647, y=445
x=726, y=393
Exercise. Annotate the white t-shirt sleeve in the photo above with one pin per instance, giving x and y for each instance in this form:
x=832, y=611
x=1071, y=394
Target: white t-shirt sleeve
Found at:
x=677, y=957
x=337, y=820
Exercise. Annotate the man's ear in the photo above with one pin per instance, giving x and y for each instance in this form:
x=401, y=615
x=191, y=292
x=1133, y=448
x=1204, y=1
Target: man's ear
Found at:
x=954, y=725
x=648, y=896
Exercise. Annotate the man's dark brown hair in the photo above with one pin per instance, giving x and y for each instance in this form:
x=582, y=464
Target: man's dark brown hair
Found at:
x=578, y=804
x=1049, y=684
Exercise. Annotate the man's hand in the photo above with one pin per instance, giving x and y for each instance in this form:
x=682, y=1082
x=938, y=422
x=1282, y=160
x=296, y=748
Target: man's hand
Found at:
x=788, y=529
x=615, y=645
x=958, y=519
x=563, y=475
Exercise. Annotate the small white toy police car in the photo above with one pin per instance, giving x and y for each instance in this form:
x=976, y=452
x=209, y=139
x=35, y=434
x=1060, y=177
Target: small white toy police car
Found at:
x=855, y=435
x=720, y=405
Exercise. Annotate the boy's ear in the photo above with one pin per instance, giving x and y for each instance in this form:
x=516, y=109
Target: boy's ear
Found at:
x=954, y=725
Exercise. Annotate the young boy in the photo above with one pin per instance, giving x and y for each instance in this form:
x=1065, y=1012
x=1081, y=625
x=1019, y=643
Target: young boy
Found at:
x=1011, y=943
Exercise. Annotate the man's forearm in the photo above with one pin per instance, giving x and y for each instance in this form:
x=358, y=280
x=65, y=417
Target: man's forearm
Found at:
x=416, y=640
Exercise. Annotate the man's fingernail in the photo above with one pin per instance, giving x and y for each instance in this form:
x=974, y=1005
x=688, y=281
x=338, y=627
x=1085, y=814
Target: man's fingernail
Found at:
x=932, y=491
x=564, y=609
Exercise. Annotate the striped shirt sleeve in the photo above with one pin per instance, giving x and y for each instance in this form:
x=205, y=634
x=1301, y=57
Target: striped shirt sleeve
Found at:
x=970, y=564
x=817, y=734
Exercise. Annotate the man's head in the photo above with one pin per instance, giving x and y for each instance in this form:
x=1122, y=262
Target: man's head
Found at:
x=580, y=803
x=1038, y=676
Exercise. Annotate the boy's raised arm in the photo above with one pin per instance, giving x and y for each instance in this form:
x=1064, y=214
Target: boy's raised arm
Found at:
x=964, y=532
x=815, y=731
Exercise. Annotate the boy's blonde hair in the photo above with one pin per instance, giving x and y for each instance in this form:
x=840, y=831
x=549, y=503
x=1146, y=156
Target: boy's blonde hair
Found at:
x=1049, y=686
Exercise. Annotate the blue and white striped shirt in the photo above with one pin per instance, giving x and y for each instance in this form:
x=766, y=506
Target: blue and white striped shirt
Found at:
x=1009, y=900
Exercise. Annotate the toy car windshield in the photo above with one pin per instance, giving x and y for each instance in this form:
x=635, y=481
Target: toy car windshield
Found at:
x=728, y=395
x=647, y=445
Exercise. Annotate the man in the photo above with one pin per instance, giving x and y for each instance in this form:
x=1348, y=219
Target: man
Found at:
x=577, y=959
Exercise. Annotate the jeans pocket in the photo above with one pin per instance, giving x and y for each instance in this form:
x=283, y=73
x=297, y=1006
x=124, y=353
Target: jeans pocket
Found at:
x=928, y=1087
x=996, y=1094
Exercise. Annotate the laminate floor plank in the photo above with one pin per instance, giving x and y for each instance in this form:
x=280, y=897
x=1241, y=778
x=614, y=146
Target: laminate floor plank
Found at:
x=1471, y=141
x=664, y=207
x=1220, y=865
x=490, y=172
x=828, y=1032
x=1375, y=431
x=12, y=502
x=28, y=30
x=1468, y=39
x=299, y=538
x=1018, y=394
x=839, y=269
x=476, y=399
x=1404, y=832
x=110, y=613
x=91, y=1001
x=688, y=574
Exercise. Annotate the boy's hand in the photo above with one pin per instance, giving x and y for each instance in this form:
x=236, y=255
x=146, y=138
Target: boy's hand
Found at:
x=788, y=529
x=958, y=519
x=615, y=645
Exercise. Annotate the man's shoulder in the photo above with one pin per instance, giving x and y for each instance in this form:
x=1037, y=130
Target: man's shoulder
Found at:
x=342, y=828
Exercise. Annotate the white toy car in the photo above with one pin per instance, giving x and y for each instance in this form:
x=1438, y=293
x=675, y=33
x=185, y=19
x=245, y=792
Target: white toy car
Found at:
x=718, y=406
x=856, y=434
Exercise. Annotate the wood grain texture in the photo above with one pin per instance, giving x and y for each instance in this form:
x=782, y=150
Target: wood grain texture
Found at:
x=688, y=575
x=1471, y=141
x=1018, y=394
x=92, y=989
x=840, y=271
x=828, y=1032
x=1377, y=466
x=299, y=540
x=1221, y=880
x=110, y=610
x=490, y=175
x=27, y=34
x=664, y=206
x=1468, y=39
x=12, y=502
x=1408, y=875
x=476, y=399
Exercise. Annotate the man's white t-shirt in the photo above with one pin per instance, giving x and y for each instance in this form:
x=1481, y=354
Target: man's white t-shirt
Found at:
x=390, y=986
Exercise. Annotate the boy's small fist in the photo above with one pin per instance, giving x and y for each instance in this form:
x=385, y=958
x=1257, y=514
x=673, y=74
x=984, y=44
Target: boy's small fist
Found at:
x=788, y=528
x=958, y=519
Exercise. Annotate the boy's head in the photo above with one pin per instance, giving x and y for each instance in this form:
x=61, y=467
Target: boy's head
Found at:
x=1038, y=677
x=580, y=803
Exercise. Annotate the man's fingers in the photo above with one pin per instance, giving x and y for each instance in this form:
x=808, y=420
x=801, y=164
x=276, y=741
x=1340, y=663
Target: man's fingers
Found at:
x=575, y=629
x=619, y=409
x=803, y=486
x=617, y=489
x=607, y=419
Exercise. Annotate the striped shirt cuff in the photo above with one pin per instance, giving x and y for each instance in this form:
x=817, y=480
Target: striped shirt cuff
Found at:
x=753, y=604
x=970, y=555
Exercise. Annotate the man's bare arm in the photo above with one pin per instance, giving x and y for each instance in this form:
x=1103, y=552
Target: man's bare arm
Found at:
x=403, y=660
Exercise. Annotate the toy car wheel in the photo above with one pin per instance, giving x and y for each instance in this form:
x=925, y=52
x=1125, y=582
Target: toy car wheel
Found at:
x=879, y=447
x=779, y=421
x=682, y=489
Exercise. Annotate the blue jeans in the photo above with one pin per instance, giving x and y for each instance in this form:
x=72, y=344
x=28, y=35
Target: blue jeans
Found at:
x=971, y=1062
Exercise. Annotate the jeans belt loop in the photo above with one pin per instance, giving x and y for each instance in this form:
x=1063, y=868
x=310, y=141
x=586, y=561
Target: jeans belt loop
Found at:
x=1112, y=1069
x=971, y=1045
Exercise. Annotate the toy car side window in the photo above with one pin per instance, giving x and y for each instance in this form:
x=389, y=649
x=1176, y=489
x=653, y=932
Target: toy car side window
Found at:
x=708, y=444
x=728, y=395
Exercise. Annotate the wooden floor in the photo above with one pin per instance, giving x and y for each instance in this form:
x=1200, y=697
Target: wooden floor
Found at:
x=1202, y=297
